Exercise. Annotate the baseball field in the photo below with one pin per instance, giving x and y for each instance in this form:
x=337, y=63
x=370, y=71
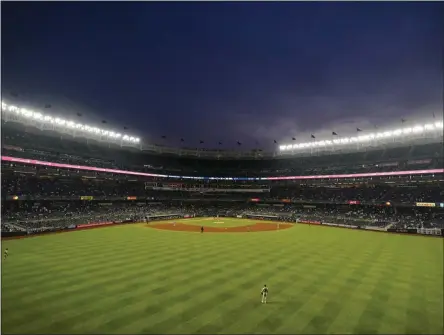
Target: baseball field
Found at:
x=169, y=278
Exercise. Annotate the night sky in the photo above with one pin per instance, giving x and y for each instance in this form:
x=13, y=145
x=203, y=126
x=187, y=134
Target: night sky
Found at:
x=227, y=71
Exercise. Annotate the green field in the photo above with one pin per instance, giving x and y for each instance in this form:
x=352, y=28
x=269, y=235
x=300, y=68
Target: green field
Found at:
x=134, y=279
x=216, y=222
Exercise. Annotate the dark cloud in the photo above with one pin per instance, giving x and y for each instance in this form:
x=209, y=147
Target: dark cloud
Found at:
x=229, y=71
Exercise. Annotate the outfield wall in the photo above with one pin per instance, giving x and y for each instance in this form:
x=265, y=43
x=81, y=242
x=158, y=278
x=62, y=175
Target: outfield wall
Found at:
x=22, y=234
x=434, y=232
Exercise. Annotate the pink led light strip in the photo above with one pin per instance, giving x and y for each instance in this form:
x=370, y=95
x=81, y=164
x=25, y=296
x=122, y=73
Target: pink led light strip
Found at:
x=78, y=167
x=134, y=173
x=358, y=175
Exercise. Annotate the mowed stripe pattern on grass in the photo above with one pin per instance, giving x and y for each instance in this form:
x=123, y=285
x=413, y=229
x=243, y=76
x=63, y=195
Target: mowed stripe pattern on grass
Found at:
x=130, y=279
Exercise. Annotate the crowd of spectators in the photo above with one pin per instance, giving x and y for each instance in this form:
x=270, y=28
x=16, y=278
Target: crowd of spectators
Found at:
x=50, y=187
x=47, y=186
x=363, y=216
x=36, y=216
x=8, y=227
x=376, y=193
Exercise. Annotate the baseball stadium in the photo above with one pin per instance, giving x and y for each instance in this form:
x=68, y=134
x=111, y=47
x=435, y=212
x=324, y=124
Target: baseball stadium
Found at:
x=103, y=232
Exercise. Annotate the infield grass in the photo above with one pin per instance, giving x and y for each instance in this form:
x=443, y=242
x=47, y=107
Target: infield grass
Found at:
x=134, y=279
x=214, y=222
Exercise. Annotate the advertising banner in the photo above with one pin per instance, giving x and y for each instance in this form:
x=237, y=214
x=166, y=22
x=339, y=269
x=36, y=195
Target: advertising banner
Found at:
x=13, y=233
x=211, y=190
x=309, y=222
x=94, y=224
x=375, y=228
x=340, y=225
x=425, y=204
x=430, y=231
x=403, y=230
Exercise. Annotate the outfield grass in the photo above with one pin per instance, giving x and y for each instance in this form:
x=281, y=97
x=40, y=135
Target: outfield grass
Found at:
x=134, y=279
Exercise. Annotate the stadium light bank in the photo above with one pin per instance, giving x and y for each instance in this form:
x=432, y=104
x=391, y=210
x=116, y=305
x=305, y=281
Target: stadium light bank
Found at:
x=77, y=127
x=43, y=121
x=406, y=132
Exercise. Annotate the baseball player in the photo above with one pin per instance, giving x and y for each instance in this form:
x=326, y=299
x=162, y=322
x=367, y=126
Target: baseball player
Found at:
x=264, y=294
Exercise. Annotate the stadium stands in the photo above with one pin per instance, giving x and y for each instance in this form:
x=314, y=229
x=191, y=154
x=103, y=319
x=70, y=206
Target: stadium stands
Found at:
x=39, y=186
x=78, y=152
x=41, y=197
x=36, y=216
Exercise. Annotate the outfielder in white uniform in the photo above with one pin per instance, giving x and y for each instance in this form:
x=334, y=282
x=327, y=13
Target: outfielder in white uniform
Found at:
x=264, y=294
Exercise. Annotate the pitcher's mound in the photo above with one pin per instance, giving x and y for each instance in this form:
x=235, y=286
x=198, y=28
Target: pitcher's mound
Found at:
x=240, y=229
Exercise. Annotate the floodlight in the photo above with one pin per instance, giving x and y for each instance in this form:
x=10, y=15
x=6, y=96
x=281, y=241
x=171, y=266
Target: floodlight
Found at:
x=418, y=129
x=59, y=122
